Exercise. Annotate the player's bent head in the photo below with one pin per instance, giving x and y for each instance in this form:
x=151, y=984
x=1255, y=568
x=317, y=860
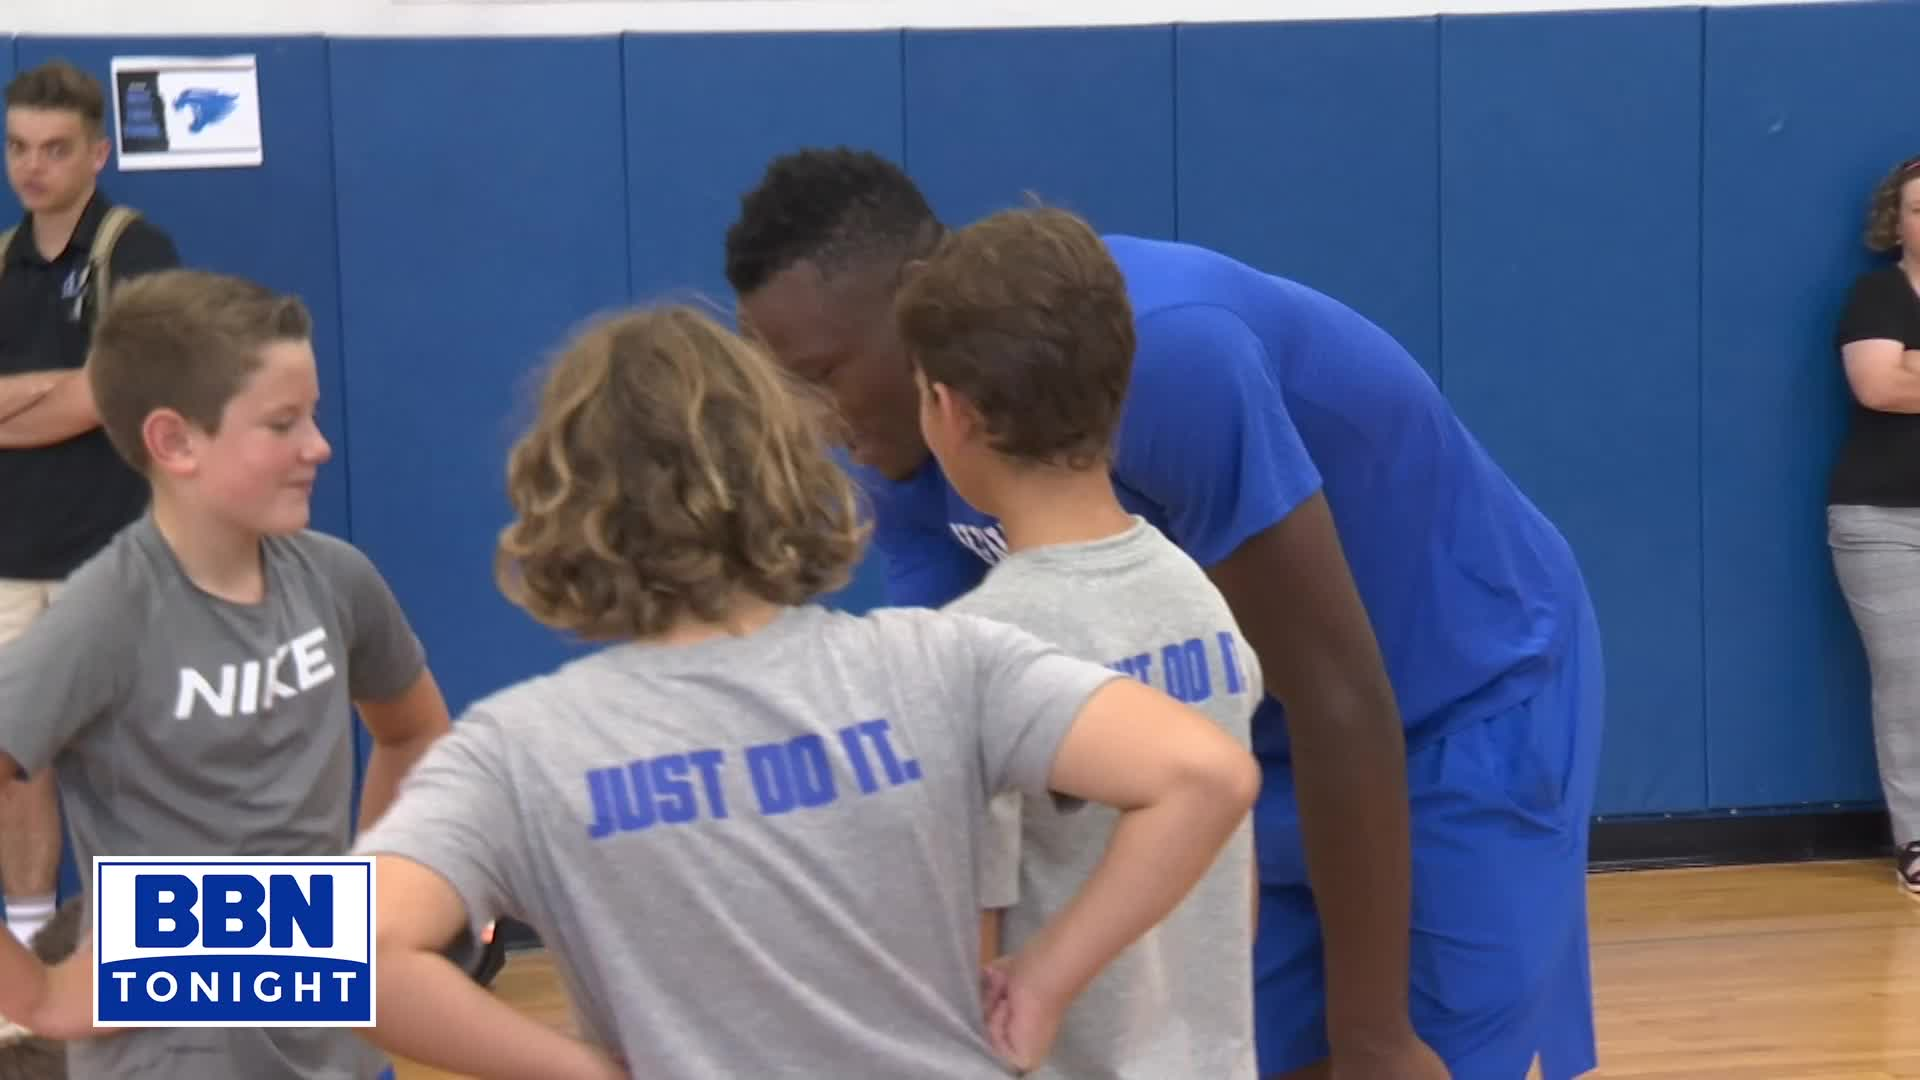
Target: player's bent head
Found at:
x=815, y=257
x=1024, y=315
x=670, y=469
x=174, y=349
x=832, y=208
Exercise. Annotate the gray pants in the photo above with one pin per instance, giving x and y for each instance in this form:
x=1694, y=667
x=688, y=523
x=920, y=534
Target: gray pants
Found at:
x=1876, y=554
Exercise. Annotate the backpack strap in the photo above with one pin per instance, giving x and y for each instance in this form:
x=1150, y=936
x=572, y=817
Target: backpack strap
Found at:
x=100, y=257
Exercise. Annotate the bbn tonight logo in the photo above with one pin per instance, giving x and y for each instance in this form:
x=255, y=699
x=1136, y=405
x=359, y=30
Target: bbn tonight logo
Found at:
x=280, y=942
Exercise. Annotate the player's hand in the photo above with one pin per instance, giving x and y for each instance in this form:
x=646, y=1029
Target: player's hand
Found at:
x=1404, y=1059
x=68, y=1010
x=1022, y=1021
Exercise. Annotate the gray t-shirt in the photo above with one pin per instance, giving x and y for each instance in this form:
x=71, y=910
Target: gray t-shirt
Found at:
x=1178, y=1003
x=754, y=856
x=179, y=723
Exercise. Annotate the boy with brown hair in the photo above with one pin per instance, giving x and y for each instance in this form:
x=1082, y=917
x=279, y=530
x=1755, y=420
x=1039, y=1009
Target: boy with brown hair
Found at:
x=1022, y=338
x=192, y=684
x=63, y=491
x=749, y=807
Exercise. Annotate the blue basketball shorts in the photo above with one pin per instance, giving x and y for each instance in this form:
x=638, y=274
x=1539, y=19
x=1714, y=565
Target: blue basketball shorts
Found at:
x=1499, y=952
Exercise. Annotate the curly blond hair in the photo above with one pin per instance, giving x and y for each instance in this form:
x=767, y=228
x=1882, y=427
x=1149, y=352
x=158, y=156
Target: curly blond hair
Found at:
x=671, y=468
x=1883, y=211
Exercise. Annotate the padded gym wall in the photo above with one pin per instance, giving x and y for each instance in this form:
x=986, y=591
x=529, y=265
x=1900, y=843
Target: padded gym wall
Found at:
x=1800, y=126
x=1312, y=150
x=1569, y=285
x=9, y=206
x=1076, y=118
x=482, y=209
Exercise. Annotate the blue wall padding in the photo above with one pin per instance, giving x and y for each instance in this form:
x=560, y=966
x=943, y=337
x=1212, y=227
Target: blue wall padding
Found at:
x=1569, y=285
x=704, y=115
x=1079, y=118
x=1312, y=149
x=9, y=206
x=482, y=212
x=1800, y=126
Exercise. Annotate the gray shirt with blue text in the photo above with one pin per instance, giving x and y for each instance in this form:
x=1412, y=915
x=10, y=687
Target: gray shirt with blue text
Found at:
x=1178, y=1003
x=754, y=856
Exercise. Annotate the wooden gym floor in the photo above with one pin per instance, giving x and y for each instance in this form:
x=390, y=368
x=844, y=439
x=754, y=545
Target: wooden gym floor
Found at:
x=1800, y=972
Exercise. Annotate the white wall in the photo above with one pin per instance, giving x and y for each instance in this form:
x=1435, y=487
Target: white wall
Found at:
x=487, y=17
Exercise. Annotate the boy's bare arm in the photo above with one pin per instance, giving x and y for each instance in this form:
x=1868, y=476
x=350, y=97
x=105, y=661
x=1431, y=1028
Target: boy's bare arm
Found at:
x=430, y=1011
x=52, y=1000
x=402, y=729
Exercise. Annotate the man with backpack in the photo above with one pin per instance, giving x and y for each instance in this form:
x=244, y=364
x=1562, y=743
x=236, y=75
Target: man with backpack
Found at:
x=63, y=491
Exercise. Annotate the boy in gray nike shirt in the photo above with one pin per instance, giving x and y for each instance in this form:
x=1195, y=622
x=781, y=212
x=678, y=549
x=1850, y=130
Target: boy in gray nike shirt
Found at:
x=192, y=684
x=749, y=829
x=1022, y=342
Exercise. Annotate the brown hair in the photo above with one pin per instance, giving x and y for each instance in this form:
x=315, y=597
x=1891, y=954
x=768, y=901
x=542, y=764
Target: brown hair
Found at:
x=1883, y=211
x=671, y=467
x=185, y=340
x=58, y=84
x=1025, y=313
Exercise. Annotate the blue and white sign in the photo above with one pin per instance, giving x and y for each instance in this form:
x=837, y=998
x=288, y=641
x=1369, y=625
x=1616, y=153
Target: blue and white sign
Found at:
x=281, y=942
x=187, y=112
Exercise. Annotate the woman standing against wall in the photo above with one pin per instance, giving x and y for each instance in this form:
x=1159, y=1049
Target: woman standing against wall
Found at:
x=1873, y=511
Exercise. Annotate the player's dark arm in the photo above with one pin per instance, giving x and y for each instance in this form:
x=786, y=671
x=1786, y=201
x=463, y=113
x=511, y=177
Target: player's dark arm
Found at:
x=41, y=408
x=1292, y=593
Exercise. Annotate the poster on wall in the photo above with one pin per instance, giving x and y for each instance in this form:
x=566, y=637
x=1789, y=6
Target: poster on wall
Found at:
x=187, y=112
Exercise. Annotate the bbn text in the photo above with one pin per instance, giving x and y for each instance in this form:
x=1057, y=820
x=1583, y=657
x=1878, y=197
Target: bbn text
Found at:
x=283, y=942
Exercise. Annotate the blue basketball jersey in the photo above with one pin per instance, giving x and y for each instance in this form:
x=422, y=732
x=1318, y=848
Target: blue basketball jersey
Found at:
x=1250, y=393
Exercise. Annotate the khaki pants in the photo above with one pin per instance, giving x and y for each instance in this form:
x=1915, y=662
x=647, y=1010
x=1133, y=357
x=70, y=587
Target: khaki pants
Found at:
x=29, y=812
x=21, y=602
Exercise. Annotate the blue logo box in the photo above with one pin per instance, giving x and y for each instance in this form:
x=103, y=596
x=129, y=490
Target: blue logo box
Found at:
x=265, y=942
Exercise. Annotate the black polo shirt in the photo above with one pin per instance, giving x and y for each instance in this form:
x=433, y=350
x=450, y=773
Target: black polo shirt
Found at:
x=60, y=504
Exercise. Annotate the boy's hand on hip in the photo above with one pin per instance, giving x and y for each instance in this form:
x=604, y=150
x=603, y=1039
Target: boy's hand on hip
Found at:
x=1022, y=1019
